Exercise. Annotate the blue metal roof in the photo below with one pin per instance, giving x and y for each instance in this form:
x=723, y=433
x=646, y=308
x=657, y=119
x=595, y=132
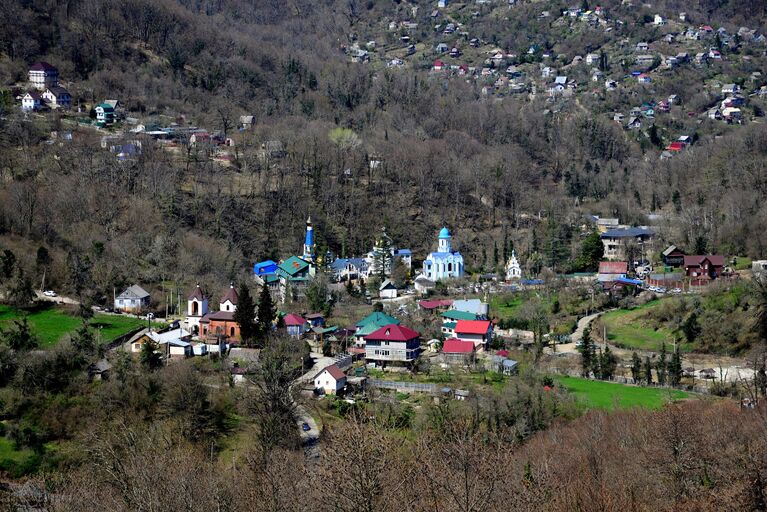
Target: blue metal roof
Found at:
x=444, y=233
x=627, y=280
x=265, y=267
x=627, y=233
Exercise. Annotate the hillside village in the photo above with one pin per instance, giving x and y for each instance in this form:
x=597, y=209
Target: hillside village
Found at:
x=359, y=255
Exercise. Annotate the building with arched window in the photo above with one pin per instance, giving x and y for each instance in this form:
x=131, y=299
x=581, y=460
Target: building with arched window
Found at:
x=445, y=263
x=221, y=323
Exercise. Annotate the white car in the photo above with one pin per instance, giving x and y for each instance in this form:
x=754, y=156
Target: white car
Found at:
x=49, y=293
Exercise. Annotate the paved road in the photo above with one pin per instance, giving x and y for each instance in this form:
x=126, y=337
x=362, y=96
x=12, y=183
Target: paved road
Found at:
x=310, y=437
x=570, y=348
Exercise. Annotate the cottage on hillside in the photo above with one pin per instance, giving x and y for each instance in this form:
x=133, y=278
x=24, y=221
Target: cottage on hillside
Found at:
x=133, y=299
x=330, y=380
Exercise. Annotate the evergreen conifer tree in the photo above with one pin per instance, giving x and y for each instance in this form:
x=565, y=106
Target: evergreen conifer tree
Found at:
x=647, y=371
x=245, y=316
x=265, y=314
x=587, y=352
x=675, y=368
x=662, y=366
x=636, y=368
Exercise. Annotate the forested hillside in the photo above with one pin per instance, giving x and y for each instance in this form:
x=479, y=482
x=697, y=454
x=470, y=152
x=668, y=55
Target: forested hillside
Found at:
x=517, y=168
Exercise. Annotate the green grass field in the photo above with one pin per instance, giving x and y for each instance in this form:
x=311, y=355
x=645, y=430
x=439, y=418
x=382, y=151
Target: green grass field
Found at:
x=50, y=325
x=16, y=462
x=593, y=394
x=626, y=328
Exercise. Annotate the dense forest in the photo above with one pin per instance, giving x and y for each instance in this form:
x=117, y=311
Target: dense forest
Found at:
x=494, y=170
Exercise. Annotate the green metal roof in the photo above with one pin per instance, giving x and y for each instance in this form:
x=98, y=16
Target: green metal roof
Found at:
x=379, y=319
x=449, y=325
x=293, y=265
x=454, y=314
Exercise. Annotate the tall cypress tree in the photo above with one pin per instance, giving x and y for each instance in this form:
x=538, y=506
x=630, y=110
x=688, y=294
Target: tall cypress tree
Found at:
x=675, y=368
x=662, y=366
x=647, y=371
x=266, y=313
x=245, y=315
x=587, y=353
x=636, y=368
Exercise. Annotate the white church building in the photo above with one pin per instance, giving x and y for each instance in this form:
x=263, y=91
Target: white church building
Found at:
x=513, y=269
x=445, y=263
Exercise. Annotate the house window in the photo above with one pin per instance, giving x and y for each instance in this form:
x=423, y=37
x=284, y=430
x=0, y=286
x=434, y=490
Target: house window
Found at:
x=449, y=267
x=231, y=332
x=194, y=308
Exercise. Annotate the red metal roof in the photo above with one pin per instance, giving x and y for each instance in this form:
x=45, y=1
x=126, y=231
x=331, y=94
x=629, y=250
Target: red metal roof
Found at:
x=434, y=304
x=472, y=326
x=717, y=260
x=334, y=372
x=613, y=267
x=393, y=332
x=293, y=319
x=456, y=346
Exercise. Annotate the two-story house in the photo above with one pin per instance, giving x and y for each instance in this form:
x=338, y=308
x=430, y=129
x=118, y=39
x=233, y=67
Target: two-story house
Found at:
x=392, y=344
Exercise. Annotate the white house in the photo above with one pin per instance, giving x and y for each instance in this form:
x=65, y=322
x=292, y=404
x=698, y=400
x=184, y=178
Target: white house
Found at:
x=132, y=300
x=57, y=97
x=513, y=269
x=43, y=75
x=479, y=332
x=592, y=58
x=444, y=263
x=331, y=380
x=730, y=89
x=659, y=20
x=387, y=290
x=31, y=101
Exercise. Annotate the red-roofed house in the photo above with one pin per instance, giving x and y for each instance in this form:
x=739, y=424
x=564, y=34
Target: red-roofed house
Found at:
x=703, y=268
x=296, y=324
x=479, y=332
x=330, y=380
x=392, y=343
x=438, y=65
x=435, y=305
x=612, y=270
x=457, y=351
x=675, y=146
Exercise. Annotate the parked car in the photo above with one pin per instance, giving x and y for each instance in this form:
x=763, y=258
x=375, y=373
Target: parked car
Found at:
x=49, y=293
x=676, y=290
x=305, y=427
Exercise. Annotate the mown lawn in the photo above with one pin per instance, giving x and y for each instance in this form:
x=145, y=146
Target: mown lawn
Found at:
x=592, y=394
x=627, y=329
x=51, y=324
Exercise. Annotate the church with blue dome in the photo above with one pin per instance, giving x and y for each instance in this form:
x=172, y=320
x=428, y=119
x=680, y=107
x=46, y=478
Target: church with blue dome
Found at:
x=444, y=263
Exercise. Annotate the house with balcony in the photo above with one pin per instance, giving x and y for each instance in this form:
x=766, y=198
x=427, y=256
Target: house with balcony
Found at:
x=392, y=344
